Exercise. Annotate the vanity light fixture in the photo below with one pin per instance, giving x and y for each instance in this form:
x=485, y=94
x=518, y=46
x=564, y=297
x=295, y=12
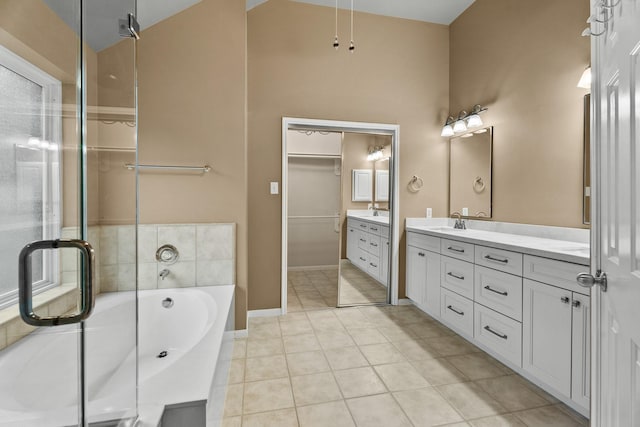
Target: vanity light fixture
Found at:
x=464, y=122
x=375, y=153
x=585, y=79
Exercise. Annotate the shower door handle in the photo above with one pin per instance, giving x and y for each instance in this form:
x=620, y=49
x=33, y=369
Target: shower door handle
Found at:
x=25, y=283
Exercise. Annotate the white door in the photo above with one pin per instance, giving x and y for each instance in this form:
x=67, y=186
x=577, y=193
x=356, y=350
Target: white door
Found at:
x=616, y=232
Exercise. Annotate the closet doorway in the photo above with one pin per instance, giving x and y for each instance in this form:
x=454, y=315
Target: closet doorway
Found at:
x=320, y=162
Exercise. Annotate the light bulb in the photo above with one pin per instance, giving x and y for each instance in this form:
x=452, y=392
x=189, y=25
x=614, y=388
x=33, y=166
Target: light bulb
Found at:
x=352, y=47
x=474, y=121
x=336, y=43
x=585, y=79
x=459, y=126
x=447, y=131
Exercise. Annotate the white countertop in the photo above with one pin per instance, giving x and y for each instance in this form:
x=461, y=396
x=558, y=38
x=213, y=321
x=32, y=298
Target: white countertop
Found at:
x=571, y=246
x=382, y=218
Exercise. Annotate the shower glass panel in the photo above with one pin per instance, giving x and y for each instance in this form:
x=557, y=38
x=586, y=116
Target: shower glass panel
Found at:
x=67, y=124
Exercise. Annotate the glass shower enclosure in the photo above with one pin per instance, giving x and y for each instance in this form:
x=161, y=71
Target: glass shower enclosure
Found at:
x=68, y=299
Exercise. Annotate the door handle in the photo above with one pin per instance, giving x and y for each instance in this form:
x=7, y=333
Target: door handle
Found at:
x=587, y=280
x=25, y=284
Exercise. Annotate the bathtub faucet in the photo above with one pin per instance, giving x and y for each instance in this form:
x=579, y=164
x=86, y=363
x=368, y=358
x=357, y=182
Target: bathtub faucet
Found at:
x=164, y=273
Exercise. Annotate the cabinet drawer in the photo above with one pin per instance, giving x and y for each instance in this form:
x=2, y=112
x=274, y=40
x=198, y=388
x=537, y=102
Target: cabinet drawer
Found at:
x=374, y=245
x=457, y=311
x=457, y=276
x=556, y=273
x=460, y=250
x=360, y=225
x=499, y=333
x=500, y=291
x=384, y=231
x=373, y=266
x=362, y=260
x=499, y=259
x=375, y=228
x=363, y=240
x=423, y=241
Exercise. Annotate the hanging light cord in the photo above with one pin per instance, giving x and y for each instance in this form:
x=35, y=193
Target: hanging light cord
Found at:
x=336, y=43
x=352, y=46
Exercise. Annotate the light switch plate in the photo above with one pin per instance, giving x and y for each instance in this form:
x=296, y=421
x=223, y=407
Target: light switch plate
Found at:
x=465, y=211
x=274, y=188
x=429, y=213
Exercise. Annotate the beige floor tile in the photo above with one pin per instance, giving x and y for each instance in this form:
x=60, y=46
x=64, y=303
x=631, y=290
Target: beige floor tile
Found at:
x=264, y=347
x=236, y=371
x=296, y=327
x=377, y=411
x=429, y=329
x=397, y=333
x=266, y=368
x=315, y=388
x=300, y=343
x=378, y=354
x=233, y=400
x=564, y=408
x=400, y=376
x=293, y=317
x=334, y=414
x=334, y=339
x=498, y=421
x=269, y=395
x=366, y=336
x=281, y=418
x=426, y=407
x=359, y=382
x=231, y=422
x=470, y=400
x=548, y=416
x=453, y=346
x=352, y=318
x=262, y=332
x=326, y=324
x=262, y=321
x=345, y=358
x=239, y=349
x=416, y=349
x=307, y=363
x=512, y=392
x=478, y=366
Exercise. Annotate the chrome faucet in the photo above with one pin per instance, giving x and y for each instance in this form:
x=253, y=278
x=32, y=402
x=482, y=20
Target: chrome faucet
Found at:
x=459, y=225
x=164, y=273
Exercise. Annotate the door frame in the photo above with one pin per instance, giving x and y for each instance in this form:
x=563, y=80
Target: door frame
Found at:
x=394, y=206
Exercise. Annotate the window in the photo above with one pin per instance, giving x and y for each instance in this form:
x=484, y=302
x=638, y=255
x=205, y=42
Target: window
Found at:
x=30, y=136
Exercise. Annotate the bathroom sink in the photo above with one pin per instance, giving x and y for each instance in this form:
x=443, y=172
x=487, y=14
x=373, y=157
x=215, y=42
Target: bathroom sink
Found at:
x=447, y=229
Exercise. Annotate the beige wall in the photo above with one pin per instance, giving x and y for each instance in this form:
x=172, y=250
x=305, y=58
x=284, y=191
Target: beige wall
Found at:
x=398, y=74
x=523, y=60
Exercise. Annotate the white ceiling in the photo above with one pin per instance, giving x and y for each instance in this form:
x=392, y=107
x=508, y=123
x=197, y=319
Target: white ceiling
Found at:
x=437, y=11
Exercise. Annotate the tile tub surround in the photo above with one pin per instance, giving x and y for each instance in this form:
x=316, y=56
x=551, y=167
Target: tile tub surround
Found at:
x=207, y=256
x=375, y=366
x=561, y=243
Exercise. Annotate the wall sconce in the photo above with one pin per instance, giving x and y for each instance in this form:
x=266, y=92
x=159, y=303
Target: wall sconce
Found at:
x=585, y=79
x=464, y=121
x=375, y=153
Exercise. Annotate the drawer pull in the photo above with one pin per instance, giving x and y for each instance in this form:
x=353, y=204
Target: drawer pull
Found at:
x=503, y=293
x=374, y=229
x=488, y=328
x=421, y=253
x=362, y=259
x=453, y=248
x=576, y=303
x=373, y=265
x=363, y=225
x=455, y=276
x=565, y=300
x=375, y=245
x=494, y=259
x=461, y=313
x=363, y=240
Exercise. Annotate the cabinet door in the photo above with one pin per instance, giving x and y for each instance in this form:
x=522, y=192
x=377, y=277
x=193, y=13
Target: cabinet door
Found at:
x=416, y=274
x=352, y=244
x=384, y=261
x=546, y=330
x=581, y=351
x=431, y=297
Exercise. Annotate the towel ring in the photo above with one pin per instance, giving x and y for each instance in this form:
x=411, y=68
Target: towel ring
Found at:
x=478, y=184
x=415, y=184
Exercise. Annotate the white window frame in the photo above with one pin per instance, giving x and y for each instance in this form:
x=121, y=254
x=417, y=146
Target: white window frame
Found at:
x=52, y=188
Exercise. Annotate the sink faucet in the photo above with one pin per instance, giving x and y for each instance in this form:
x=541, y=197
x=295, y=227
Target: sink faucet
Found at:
x=164, y=273
x=460, y=225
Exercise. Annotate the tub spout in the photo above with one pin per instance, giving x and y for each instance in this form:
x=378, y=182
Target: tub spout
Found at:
x=164, y=273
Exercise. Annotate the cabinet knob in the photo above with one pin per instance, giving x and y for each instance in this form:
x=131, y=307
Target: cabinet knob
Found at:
x=565, y=300
x=576, y=303
x=421, y=253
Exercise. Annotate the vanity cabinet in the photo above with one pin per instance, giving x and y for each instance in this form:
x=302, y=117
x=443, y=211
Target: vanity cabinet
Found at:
x=525, y=310
x=368, y=248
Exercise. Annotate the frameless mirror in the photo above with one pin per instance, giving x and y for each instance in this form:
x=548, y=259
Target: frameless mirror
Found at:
x=381, y=183
x=470, y=174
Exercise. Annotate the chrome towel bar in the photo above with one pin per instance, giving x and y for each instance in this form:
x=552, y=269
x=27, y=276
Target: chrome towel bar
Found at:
x=203, y=169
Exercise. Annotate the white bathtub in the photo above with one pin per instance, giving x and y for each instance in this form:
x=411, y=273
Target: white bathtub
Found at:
x=40, y=375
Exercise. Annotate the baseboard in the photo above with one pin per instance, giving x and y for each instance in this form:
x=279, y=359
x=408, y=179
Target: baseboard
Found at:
x=269, y=312
x=405, y=301
x=313, y=268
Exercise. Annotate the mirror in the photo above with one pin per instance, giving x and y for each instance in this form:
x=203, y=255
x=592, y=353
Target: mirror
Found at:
x=339, y=215
x=470, y=174
x=586, y=186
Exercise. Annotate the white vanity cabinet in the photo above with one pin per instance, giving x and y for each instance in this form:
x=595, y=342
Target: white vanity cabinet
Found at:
x=525, y=310
x=368, y=247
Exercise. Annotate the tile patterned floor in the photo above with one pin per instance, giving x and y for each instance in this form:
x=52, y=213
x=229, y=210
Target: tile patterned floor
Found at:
x=373, y=366
x=357, y=287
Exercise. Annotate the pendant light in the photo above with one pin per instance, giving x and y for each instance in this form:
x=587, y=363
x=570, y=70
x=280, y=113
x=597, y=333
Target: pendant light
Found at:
x=352, y=46
x=336, y=43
